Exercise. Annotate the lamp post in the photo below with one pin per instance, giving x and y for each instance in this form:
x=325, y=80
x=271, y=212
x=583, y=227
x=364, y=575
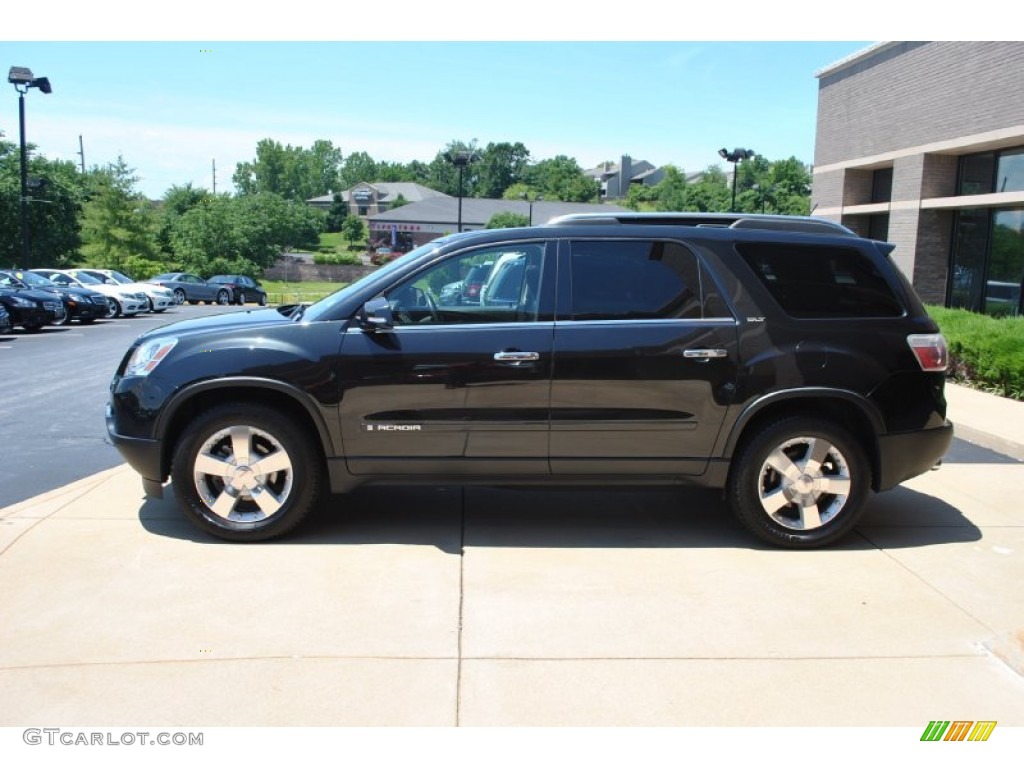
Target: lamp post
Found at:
x=22, y=79
x=538, y=198
x=734, y=157
x=460, y=159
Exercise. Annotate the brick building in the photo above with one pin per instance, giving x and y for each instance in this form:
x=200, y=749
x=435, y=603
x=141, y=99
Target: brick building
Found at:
x=922, y=144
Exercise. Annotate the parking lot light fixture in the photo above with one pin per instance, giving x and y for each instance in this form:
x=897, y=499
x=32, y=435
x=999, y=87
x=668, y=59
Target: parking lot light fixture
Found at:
x=734, y=157
x=461, y=160
x=22, y=79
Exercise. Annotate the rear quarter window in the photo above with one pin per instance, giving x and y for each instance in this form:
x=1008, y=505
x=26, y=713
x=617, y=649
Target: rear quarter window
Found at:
x=809, y=281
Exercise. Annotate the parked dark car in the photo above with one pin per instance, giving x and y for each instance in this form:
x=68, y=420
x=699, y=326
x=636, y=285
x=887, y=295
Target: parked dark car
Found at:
x=243, y=288
x=80, y=304
x=31, y=309
x=192, y=288
x=5, y=320
x=784, y=360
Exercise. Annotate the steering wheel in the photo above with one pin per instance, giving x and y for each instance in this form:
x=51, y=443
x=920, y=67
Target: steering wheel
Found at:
x=414, y=298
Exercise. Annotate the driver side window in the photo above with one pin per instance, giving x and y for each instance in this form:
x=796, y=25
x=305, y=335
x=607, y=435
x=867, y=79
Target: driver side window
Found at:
x=490, y=285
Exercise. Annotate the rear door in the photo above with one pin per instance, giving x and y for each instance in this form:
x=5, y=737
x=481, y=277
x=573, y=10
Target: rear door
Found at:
x=455, y=388
x=645, y=363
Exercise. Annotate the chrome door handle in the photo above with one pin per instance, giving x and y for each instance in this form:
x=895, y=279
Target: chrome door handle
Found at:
x=704, y=354
x=516, y=357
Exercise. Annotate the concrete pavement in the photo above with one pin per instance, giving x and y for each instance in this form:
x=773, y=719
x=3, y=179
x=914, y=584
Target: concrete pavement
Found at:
x=542, y=606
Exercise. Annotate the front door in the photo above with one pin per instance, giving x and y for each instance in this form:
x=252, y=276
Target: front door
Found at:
x=460, y=383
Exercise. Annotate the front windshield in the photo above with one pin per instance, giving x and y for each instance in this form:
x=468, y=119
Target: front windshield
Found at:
x=85, y=279
x=322, y=309
x=121, y=278
x=32, y=279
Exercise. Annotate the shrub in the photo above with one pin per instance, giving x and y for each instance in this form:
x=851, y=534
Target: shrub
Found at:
x=985, y=352
x=337, y=258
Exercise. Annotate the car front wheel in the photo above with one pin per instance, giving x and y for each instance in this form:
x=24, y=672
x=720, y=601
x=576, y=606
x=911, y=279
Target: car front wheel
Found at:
x=113, y=308
x=263, y=299
x=245, y=472
x=179, y=296
x=799, y=483
x=222, y=297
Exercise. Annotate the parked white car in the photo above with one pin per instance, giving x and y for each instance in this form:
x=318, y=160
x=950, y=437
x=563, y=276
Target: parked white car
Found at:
x=159, y=298
x=120, y=300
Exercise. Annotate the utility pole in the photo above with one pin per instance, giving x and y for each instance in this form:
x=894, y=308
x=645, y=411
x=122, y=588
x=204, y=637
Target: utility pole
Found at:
x=81, y=152
x=214, y=162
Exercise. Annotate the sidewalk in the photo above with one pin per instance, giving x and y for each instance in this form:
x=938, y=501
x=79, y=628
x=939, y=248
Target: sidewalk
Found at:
x=993, y=422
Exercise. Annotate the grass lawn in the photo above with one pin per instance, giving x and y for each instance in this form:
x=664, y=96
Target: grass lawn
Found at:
x=281, y=292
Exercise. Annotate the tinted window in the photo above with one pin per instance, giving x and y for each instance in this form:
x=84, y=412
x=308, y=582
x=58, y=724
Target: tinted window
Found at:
x=634, y=280
x=821, y=281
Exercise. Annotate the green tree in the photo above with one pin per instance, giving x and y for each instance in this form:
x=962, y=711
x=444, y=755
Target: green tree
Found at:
x=561, y=178
x=507, y=219
x=354, y=231
x=293, y=173
x=117, y=222
x=444, y=176
x=56, y=193
x=336, y=214
x=500, y=166
x=359, y=168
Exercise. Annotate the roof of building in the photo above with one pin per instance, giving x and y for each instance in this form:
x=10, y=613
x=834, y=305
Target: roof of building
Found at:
x=476, y=212
x=608, y=169
x=386, y=191
x=857, y=57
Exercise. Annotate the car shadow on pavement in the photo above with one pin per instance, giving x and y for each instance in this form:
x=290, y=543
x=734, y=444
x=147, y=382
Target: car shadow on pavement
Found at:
x=454, y=517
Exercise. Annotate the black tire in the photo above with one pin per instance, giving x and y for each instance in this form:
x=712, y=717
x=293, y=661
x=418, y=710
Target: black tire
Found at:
x=65, y=318
x=263, y=299
x=241, y=298
x=818, y=501
x=223, y=297
x=113, y=307
x=226, y=506
x=179, y=296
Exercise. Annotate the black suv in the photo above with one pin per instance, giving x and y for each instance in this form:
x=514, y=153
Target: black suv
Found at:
x=784, y=360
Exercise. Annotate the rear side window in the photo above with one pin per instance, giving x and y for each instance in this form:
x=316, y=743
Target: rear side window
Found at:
x=634, y=280
x=821, y=281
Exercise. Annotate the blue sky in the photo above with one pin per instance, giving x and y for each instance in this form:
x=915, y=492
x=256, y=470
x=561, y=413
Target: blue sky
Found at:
x=170, y=108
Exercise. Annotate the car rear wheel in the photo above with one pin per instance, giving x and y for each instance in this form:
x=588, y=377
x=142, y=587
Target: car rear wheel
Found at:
x=800, y=483
x=245, y=472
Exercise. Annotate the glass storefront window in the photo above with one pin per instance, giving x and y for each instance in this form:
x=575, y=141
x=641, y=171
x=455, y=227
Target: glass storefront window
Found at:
x=1006, y=264
x=969, y=251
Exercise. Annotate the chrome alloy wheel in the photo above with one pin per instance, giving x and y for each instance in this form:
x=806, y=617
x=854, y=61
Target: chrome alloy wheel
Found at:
x=804, y=483
x=243, y=474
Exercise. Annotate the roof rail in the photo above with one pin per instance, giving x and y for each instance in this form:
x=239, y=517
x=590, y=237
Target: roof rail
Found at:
x=731, y=220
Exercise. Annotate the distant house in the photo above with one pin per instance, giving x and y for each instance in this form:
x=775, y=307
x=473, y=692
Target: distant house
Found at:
x=616, y=178
x=368, y=199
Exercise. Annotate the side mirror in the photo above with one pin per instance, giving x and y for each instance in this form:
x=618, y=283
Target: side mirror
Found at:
x=376, y=315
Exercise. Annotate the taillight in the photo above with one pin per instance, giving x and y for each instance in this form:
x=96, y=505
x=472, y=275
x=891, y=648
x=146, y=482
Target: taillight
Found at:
x=930, y=350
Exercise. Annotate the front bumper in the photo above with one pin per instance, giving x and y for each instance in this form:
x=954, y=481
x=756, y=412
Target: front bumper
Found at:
x=142, y=454
x=905, y=455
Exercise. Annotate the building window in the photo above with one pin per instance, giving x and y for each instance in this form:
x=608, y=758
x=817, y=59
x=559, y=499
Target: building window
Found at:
x=1010, y=171
x=988, y=172
x=881, y=185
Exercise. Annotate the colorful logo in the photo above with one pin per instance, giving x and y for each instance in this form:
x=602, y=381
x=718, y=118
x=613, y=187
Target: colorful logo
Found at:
x=958, y=730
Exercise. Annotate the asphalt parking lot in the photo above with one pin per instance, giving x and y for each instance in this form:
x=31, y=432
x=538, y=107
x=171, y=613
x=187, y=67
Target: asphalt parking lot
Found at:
x=529, y=607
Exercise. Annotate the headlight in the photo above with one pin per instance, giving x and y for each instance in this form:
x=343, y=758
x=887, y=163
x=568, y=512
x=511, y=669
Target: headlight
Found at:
x=148, y=356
